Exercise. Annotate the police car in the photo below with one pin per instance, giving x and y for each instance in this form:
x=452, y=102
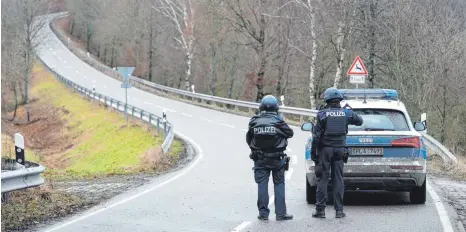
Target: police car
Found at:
x=387, y=151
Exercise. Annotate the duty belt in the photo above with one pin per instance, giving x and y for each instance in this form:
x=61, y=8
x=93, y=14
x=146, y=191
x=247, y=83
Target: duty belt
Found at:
x=269, y=155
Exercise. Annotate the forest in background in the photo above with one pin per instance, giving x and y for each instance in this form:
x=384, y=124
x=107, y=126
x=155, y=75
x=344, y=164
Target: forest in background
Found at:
x=243, y=49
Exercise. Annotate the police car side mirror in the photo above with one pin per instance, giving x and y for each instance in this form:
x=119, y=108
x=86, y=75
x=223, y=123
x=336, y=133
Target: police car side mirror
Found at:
x=419, y=126
x=307, y=126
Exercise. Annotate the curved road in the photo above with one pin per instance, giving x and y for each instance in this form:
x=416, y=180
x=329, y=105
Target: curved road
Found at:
x=216, y=192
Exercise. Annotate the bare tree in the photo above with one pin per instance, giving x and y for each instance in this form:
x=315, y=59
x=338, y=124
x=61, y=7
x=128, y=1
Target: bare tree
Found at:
x=182, y=15
x=22, y=14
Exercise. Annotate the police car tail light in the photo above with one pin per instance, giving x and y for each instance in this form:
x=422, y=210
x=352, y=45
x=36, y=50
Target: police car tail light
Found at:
x=407, y=142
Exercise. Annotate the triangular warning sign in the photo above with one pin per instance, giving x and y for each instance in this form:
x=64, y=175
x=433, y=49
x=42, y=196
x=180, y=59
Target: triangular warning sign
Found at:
x=357, y=68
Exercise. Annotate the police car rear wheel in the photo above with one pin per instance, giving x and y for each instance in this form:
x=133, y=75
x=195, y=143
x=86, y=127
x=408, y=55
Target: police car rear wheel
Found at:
x=418, y=194
x=310, y=193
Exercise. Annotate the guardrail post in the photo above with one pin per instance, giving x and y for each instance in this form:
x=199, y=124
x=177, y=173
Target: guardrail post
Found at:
x=118, y=105
x=132, y=111
x=301, y=119
x=164, y=129
x=158, y=125
x=150, y=118
x=19, y=148
x=141, y=113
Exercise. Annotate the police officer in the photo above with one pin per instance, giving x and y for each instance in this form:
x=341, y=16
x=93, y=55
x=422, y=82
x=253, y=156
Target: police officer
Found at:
x=267, y=138
x=329, y=150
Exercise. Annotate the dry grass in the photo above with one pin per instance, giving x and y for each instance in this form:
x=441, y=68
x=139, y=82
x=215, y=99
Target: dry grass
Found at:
x=437, y=167
x=31, y=206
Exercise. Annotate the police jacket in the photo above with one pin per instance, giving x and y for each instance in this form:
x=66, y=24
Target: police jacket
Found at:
x=268, y=133
x=332, y=126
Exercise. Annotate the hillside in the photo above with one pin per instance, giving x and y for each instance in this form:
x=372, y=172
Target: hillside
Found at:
x=80, y=141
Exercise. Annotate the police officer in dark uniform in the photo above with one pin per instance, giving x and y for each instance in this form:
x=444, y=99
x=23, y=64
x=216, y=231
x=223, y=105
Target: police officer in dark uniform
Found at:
x=267, y=138
x=329, y=150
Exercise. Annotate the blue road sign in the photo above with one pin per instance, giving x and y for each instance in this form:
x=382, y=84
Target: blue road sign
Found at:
x=125, y=72
x=125, y=85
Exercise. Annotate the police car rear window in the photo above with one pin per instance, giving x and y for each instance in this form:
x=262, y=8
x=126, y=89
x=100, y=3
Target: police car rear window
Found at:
x=380, y=120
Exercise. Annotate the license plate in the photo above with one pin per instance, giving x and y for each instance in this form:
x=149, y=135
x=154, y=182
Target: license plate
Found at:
x=367, y=151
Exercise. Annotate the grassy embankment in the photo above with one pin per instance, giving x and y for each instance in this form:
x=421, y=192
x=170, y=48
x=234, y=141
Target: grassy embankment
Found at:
x=75, y=138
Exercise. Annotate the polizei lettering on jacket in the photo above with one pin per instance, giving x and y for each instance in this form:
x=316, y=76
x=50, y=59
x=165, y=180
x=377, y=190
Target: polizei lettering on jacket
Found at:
x=335, y=114
x=265, y=130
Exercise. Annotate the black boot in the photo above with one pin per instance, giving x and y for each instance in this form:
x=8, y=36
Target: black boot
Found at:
x=263, y=218
x=284, y=217
x=319, y=214
x=340, y=214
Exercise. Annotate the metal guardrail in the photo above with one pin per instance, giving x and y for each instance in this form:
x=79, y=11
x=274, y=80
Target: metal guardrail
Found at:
x=22, y=178
x=152, y=119
x=430, y=141
x=438, y=148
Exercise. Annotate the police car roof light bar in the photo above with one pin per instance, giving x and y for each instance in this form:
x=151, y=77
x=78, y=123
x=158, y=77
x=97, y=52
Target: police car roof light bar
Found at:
x=385, y=94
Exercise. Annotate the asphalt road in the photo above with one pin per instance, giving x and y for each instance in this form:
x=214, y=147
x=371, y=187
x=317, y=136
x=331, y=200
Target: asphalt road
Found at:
x=216, y=192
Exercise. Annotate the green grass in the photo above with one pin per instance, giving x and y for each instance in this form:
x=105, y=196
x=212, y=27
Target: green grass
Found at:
x=103, y=143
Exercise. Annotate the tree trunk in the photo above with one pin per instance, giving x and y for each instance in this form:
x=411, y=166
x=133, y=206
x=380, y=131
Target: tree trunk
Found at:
x=341, y=54
x=372, y=42
x=313, y=59
x=213, y=67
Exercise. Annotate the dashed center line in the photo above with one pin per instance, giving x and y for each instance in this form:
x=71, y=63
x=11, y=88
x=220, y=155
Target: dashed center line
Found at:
x=241, y=226
x=187, y=115
x=207, y=120
x=85, y=77
x=222, y=124
x=148, y=103
x=77, y=71
x=60, y=58
x=271, y=200
x=245, y=130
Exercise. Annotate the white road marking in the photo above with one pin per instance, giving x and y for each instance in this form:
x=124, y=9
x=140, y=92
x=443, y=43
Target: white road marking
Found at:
x=148, y=103
x=187, y=115
x=77, y=71
x=64, y=61
x=171, y=110
x=85, y=77
x=207, y=120
x=289, y=149
x=241, y=226
x=60, y=58
x=246, y=130
x=227, y=125
x=442, y=213
x=182, y=173
x=294, y=160
x=289, y=173
x=271, y=200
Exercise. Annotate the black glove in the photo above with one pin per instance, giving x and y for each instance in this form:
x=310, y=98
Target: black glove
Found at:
x=346, y=155
x=319, y=170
